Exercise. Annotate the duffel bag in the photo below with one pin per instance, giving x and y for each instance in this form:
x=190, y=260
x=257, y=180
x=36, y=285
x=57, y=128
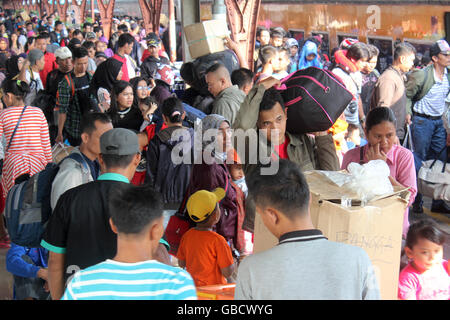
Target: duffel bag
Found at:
x=315, y=98
x=433, y=179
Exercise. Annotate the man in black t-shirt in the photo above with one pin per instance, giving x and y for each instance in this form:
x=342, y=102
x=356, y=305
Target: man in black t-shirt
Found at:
x=78, y=234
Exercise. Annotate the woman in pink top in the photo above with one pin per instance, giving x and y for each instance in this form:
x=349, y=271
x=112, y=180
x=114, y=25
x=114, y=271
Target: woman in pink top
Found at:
x=426, y=277
x=381, y=137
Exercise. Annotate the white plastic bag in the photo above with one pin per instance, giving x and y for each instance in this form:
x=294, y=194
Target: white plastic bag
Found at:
x=370, y=179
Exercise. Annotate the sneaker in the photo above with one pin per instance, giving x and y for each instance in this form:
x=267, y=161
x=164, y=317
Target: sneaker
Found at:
x=440, y=207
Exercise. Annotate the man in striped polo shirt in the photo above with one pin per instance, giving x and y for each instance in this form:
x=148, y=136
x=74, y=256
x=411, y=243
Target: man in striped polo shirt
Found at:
x=133, y=273
x=426, y=91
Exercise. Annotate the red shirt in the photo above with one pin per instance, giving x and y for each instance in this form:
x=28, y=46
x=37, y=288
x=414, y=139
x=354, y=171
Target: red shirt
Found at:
x=281, y=150
x=125, y=76
x=50, y=65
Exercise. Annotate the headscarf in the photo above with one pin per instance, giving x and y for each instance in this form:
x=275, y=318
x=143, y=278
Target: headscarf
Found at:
x=105, y=76
x=309, y=48
x=211, y=121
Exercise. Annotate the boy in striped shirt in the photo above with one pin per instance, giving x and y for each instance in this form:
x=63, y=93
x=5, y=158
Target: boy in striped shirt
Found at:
x=133, y=274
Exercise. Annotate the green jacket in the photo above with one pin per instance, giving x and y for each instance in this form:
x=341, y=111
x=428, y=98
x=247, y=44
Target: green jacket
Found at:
x=419, y=82
x=310, y=153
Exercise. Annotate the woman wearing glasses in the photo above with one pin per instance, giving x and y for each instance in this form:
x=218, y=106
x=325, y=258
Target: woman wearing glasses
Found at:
x=141, y=89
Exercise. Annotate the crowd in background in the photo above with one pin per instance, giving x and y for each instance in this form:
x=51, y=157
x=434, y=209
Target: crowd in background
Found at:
x=118, y=196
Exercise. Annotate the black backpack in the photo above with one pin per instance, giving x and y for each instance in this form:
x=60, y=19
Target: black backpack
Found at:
x=315, y=98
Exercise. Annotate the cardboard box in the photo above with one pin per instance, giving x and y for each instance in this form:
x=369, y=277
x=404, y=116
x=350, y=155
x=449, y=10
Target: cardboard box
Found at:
x=206, y=37
x=25, y=16
x=376, y=227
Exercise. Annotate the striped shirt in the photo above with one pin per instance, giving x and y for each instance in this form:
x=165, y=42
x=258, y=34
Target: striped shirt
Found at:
x=147, y=280
x=30, y=150
x=433, y=103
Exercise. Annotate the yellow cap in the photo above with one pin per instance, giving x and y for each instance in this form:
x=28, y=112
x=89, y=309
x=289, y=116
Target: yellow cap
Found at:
x=202, y=203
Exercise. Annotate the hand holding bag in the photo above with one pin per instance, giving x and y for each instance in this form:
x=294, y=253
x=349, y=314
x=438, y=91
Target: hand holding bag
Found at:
x=433, y=179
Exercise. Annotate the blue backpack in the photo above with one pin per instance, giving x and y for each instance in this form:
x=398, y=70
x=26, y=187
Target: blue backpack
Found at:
x=192, y=115
x=28, y=208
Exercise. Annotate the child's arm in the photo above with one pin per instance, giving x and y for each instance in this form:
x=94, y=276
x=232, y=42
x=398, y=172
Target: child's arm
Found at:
x=19, y=267
x=227, y=272
x=182, y=264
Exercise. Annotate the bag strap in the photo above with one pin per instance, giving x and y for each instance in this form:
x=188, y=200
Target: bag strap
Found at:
x=361, y=155
x=78, y=158
x=445, y=162
x=15, y=129
x=419, y=92
x=70, y=82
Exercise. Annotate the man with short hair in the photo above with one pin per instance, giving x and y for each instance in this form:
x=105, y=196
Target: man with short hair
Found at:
x=152, y=60
x=426, y=90
x=125, y=47
x=78, y=234
x=243, y=78
x=390, y=91
x=270, y=60
x=55, y=36
x=312, y=267
x=42, y=40
x=72, y=173
x=370, y=77
x=65, y=66
x=227, y=97
x=276, y=38
x=263, y=111
x=73, y=100
x=136, y=218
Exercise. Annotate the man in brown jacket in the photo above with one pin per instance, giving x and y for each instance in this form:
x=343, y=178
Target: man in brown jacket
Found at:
x=390, y=89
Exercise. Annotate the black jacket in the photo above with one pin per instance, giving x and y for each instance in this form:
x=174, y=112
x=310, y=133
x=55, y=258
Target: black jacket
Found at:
x=167, y=177
x=150, y=66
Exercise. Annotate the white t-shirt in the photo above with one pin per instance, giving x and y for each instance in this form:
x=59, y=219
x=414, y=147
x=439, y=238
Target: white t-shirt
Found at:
x=34, y=81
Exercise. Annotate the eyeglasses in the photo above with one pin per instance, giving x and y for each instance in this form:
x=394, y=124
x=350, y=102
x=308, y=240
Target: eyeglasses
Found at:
x=144, y=88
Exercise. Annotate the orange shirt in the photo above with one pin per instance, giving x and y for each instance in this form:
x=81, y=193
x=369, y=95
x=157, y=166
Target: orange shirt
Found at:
x=205, y=253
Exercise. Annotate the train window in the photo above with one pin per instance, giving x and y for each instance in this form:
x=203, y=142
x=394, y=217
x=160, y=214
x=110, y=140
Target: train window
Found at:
x=325, y=47
x=297, y=34
x=422, y=51
x=342, y=36
x=385, y=57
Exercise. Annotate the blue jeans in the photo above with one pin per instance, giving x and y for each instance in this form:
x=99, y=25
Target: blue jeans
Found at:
x=429, y=138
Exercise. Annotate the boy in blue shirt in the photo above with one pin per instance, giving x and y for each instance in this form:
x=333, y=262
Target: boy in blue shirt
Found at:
x=29, y=269
x=136, y=217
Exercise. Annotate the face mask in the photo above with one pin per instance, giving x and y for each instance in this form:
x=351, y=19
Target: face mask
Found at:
x=221, y=156
x=240, y=181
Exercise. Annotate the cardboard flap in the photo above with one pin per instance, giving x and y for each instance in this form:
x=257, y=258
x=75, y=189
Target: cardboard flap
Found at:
x=325, y=189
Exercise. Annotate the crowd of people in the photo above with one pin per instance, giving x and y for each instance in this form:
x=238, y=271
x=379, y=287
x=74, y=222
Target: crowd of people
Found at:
x=129, y=221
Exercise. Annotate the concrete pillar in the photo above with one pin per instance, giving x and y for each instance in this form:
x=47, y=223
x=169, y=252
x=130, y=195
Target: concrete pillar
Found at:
x=190, y=13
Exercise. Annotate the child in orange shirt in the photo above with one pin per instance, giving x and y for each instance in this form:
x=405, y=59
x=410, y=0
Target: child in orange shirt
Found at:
x=204, y=253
